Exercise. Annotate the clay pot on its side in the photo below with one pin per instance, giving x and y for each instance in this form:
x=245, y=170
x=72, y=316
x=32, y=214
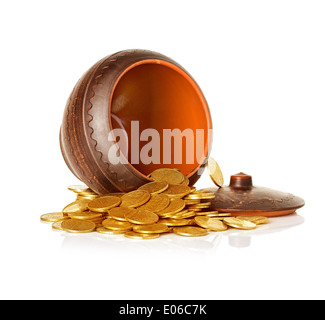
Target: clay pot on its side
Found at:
x=132, y=85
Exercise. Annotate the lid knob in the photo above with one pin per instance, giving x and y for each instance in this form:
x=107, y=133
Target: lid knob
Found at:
x=241, y=180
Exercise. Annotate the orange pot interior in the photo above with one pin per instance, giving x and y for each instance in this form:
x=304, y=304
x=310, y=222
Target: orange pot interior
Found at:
x=160, y=95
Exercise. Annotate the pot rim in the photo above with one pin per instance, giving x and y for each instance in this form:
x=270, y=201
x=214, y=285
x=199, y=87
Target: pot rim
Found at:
x=198, y=92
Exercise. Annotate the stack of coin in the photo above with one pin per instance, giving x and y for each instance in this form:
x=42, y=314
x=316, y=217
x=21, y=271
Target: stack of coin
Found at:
x=166, y=205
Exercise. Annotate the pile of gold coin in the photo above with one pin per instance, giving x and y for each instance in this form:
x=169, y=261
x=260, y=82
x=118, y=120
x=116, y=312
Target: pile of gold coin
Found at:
x=166, y=205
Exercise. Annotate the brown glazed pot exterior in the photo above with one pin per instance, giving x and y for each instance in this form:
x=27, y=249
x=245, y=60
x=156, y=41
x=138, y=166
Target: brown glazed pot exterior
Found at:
x=86, y=125
x=242, y=198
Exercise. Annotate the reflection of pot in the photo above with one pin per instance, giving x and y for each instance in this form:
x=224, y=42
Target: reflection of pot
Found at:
x=134, y=85
x=242, y=198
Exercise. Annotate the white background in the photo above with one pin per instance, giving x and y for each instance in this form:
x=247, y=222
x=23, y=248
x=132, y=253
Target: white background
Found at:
x=261, y=66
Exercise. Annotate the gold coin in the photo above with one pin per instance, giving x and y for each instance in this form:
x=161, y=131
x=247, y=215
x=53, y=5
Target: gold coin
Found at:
x=88, y=192
x=77, y=188
x=190, y=231
x=108, y=231
x=85, y=215
x=239, y=223
x=98, y=224
x=254, y=219
x=118, y=213
x=186, y=181
x=136, y=235
x=214, y=213
x=154, y=187
x=212, y=216
x=78, y=226
x=199, y=196
x=174, y=222
x=117, y=225
x=87, y=197
x=53, y=217
x=215, y=172
x=141, y=216
x=210, y=223
x=175, y=205
x=193, y=189
x=135, y=198
x=115, y=194
x=177, y=190
x=197, y=210
x=171, y=176
x=194, y=201
x=57, y=225
x=151, y=228
x=183, y=214
x=76, y=206
x=103, y=204
x=156, y=203
x=191, y=222
x=202, y=205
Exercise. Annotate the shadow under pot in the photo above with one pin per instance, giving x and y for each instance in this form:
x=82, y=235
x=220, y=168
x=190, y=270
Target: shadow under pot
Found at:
x=131, y=113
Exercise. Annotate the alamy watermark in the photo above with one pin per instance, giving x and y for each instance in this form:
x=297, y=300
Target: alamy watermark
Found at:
x=172, y=146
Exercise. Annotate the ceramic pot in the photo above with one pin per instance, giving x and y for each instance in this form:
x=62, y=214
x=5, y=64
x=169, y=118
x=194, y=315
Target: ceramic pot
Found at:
x=132, y=89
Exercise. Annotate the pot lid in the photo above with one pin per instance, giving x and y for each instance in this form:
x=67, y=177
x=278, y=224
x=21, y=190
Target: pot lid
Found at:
x=241, y=197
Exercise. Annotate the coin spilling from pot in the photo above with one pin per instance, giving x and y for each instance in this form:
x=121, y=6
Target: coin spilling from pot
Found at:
x=168, y=204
